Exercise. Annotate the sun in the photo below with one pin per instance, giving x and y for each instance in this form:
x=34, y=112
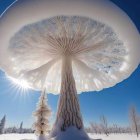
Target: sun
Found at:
x=20, y=84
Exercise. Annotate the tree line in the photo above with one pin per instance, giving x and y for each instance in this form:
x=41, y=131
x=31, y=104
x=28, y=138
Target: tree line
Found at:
x=104, y=128
x=97, y=128
x=20, y=129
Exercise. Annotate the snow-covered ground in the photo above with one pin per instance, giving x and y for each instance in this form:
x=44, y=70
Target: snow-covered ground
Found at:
x=17, y=137
x=98, y=137
x=114, y=137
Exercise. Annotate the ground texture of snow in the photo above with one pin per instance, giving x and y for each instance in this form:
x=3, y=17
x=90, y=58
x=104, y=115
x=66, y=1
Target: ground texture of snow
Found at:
x=114, y=137
x=71, y=133
x=92, y=136
x=18, y=137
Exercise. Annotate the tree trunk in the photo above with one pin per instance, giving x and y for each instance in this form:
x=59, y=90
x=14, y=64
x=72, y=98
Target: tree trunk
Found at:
x=68, y=110
x=69, y=118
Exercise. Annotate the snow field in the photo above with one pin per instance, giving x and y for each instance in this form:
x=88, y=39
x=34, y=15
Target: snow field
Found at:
x=92, y=136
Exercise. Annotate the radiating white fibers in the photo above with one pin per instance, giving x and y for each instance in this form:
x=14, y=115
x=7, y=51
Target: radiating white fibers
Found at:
x=96, y=51
x=102, y=51
x=100, y=11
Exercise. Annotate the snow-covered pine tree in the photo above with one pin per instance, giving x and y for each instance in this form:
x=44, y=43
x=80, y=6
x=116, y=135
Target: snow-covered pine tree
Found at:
x=21, y=128
x=2, y=124
x=42, y=114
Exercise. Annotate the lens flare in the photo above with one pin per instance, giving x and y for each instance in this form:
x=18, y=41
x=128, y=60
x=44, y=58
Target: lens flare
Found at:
x=20, y=85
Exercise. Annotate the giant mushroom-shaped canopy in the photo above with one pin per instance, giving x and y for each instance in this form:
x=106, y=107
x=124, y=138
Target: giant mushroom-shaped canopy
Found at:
x=101, y=41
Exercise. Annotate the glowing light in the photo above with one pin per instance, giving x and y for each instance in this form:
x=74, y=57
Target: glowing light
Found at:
x=20, y=85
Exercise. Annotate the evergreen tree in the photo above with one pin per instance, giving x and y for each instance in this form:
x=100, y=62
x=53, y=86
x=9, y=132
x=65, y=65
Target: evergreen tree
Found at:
x=2, y=124
x=21, y=128
x=42, y=114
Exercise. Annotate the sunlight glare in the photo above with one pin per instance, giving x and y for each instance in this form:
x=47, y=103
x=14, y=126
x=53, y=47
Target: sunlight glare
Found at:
x=21, y=85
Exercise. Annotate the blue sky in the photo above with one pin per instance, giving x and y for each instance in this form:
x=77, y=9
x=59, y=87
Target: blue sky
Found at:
x=114, y=102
